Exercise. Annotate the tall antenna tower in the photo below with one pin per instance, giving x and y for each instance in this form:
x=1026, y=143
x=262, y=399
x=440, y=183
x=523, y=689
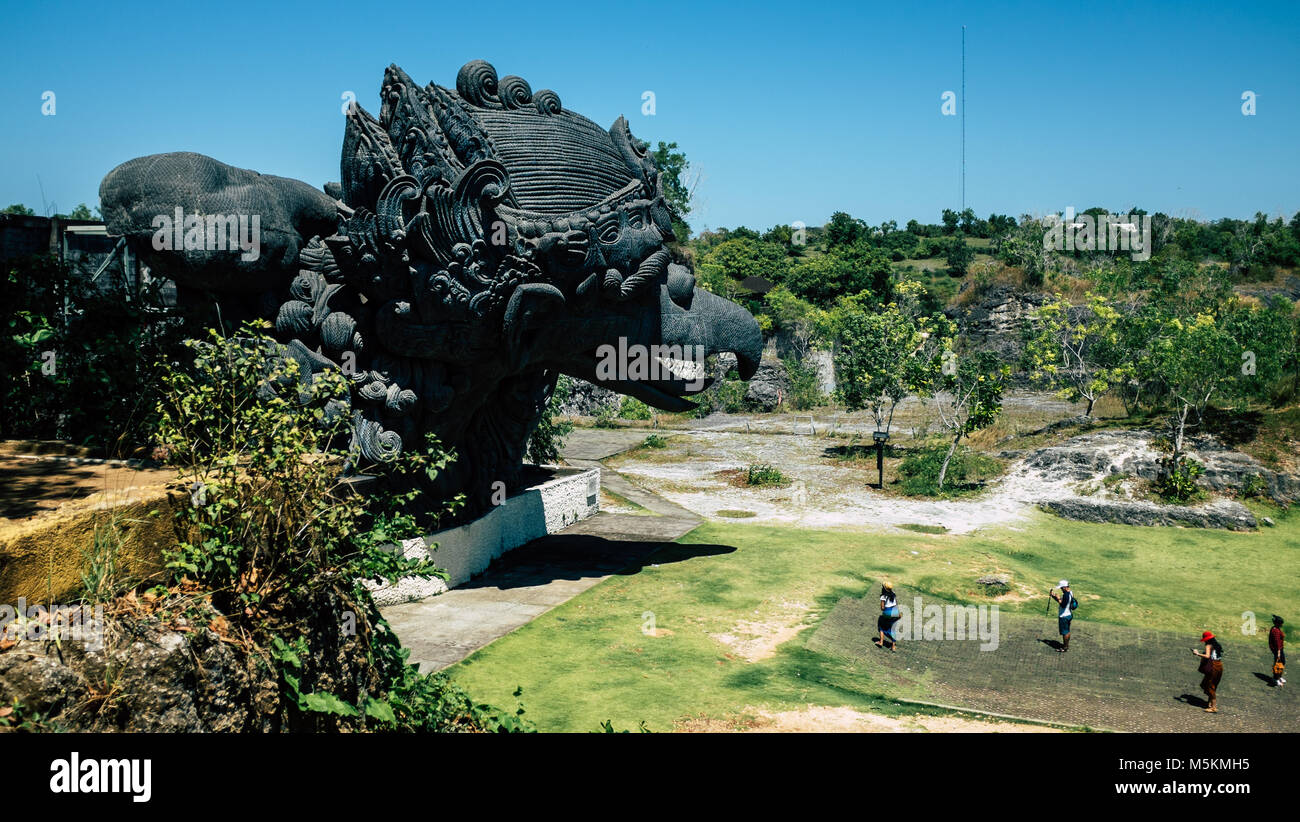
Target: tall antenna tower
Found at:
x=963, y=118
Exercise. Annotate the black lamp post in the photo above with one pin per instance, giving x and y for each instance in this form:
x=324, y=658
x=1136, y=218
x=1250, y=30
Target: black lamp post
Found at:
x=880, y=437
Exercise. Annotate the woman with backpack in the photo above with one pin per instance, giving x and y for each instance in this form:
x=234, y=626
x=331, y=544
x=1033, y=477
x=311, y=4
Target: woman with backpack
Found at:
x=1211, y=669
x=888, y=616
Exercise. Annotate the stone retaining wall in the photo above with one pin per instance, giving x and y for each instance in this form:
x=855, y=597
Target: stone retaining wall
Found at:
x=467, y=550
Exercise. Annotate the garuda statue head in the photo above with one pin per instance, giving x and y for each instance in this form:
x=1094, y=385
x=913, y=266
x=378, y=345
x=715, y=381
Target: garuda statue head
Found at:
x=482, y=241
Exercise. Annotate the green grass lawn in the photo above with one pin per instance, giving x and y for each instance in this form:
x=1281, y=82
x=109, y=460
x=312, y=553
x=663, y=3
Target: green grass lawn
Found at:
x=595, y=657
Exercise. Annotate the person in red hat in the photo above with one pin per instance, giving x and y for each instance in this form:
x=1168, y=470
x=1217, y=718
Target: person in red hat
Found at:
x=1211, y=669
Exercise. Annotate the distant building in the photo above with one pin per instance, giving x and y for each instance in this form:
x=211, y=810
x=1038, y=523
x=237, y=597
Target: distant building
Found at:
x=104, y=260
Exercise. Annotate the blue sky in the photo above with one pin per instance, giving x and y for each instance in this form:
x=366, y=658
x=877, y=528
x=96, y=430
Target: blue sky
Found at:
x=786, y=111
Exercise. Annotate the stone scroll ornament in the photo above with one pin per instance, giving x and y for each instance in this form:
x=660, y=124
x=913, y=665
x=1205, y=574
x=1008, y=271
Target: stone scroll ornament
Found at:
x=482, y=241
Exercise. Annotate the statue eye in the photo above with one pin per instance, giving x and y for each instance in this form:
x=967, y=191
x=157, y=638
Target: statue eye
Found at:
x=608, y=231
x=636, y=220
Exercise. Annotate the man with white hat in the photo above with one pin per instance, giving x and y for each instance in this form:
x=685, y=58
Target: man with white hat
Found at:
x=1065, y=615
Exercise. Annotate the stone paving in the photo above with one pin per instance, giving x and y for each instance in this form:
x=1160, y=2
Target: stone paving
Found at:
x=1113, y=678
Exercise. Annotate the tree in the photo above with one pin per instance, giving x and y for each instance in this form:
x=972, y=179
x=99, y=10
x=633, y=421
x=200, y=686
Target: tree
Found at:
x=950, y=219
x=547, y=440
x=1266, y=339
x=724, y=266
x=968, y=220
x=999, y=224
x=81, y=212
x=883, y=356
x=1193, y=359
x=1022, y=246
x=843, y=230
x=672, y=165
x=19, y=209
x=958, y=255
x=804, y=322
x=973, y=384
x=844, y=271
x=1076, y=351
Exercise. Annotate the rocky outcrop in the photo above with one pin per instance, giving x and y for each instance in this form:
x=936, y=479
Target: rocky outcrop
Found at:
x=1130, y=453
x=587, y=399
x=1225, y=514
x=769, y=387
x=993, y=321
x=1290, y=288
x=154, y=671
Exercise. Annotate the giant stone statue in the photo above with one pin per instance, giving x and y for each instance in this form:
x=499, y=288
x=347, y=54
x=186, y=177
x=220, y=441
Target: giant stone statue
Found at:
x=483, y=241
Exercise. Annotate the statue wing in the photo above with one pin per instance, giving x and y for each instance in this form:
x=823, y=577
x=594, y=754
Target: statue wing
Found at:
x=239, y=231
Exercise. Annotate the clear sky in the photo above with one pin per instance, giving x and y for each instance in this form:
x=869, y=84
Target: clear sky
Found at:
x=786, y=111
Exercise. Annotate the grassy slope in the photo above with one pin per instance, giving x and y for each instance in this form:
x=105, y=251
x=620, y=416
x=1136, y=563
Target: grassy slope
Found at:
x=589, y=660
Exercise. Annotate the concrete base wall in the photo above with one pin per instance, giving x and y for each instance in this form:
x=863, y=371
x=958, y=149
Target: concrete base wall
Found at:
x=468, y=549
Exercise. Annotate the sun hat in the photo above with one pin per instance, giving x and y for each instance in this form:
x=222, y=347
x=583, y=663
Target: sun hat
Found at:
x=1065, y=583
x=1207, y=636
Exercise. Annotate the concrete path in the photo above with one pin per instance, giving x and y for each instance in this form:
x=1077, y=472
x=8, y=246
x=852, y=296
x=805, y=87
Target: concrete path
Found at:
x=534, y=578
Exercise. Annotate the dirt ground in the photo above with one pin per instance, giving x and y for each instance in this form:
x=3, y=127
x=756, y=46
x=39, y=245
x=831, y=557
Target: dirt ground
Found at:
x=820, y=719
x=31, y=486
x=697, y=472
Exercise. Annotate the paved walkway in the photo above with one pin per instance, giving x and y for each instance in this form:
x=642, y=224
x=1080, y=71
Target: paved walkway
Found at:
x=1113, y=678
x=534, y=578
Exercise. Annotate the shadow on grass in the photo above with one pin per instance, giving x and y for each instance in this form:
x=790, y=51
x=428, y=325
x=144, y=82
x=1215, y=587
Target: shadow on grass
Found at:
x=1193, y=700
x=581, y=556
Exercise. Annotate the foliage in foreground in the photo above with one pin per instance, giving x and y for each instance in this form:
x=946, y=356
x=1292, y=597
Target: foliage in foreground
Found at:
x=80, y=361
x=273, y=521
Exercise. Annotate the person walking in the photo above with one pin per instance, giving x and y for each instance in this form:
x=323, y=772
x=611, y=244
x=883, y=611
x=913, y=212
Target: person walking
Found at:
x=1065, y=614
x=1276, y=644
x=888, y=617
x=1211, y=669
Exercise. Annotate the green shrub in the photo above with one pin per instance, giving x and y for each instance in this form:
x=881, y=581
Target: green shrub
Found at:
x=727, y=396
x=764, y=474
x=271, y=520
x=634, y=409
x=654, y=441
x=805, y=385
x=547, y=440
x=967, y=470
x=605, y=417
x=1177, y=479
x=81, y=362
x=1253, y=486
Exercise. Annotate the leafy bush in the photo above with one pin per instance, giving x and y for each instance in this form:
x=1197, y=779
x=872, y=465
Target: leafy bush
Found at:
x=805, y=385
x=727, y=396
x=634, y=409
x=606, y=416
x=271, y=520
x=919, y=471
x=547, y=440
x=80, y=362
x=765, y=475
x=1254, y=486
x=262, y=453
x=654, y=441
x=1177, y=479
